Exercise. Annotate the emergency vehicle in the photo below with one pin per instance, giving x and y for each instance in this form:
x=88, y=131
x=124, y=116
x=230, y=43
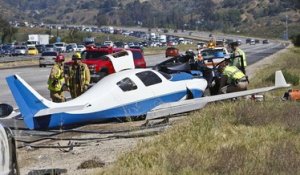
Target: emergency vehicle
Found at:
x=101, y=65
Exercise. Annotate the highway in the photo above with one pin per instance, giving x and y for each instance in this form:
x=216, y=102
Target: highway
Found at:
x=37, y=77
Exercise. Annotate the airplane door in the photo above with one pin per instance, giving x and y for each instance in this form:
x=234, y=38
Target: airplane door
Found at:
x=122, y=60
x=133, y=97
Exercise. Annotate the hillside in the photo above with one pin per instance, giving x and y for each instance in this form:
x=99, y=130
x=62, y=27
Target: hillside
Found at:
x=222, y=15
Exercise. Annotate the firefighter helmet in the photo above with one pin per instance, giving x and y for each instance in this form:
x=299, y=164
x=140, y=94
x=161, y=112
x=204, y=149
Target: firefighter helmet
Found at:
x=59, y=58
x=76, y=56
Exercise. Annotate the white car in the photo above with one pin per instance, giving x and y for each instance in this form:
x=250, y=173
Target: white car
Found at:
x=60, y=47
x=213, y=56
x=108, y=43
x=80, y=48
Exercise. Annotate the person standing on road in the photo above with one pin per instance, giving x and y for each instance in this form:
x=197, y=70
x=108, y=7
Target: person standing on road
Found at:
x=78, y=77
x=56, y=80
x=232, y=79
x=238, y=57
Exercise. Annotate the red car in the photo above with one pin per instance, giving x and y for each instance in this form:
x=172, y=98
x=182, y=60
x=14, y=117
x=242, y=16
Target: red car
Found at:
x=172, y=51
x=100, y=66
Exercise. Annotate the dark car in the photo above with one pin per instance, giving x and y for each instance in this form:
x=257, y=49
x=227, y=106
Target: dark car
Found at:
x=7, y=49
x=172, y=51
x=256, y=41
x=265, y=41
x=248, y=40
x=40, y=48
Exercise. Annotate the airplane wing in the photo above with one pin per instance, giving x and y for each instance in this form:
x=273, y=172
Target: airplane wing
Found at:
x=198, y=103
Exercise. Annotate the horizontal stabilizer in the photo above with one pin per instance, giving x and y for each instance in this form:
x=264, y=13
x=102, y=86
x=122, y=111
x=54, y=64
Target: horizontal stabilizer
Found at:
x=49, y=111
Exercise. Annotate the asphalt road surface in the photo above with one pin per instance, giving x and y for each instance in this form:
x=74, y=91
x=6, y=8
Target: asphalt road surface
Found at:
x=37, y=77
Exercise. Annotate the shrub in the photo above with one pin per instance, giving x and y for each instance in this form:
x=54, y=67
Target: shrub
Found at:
x=296, y=40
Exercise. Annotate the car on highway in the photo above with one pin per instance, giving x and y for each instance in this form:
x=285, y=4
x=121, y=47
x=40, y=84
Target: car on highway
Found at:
x=60, y=46
x=40, y=48
x=213, y=56
x=172, y=51
x=201, y=45
x=252, y=42
x=50, y=48
x=265, y=41
x=69, y=48
x=32, y=51
x=7, y=50
x=108, y=43
x=248, y=40
x=47, y=58
x=20, y=50
x=80, y=48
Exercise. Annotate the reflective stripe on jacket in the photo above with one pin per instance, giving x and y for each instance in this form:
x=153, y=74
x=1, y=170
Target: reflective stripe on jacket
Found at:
x=79, y=75
x=56, y=78
x=233, y=73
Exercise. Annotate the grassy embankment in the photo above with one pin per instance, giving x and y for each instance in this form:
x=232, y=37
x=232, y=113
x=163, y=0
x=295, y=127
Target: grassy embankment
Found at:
x=244, y=137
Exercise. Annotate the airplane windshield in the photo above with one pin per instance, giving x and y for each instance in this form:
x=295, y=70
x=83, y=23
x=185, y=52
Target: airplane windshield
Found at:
x=148, y=78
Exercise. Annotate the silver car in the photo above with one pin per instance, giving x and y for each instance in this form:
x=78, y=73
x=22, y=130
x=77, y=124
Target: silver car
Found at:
x=47, y=58
x=50, y=48
x=19, y=50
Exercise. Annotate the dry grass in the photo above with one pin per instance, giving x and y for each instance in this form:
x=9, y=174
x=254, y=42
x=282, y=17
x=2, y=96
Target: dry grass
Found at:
x=244, y=137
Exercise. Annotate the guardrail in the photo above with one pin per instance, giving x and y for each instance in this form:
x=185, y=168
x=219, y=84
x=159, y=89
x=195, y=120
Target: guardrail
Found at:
x=7, y=59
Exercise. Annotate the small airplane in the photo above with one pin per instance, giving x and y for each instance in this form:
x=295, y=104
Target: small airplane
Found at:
x=129, y=93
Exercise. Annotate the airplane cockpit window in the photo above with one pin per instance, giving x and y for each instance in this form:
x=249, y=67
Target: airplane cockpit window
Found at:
x=148, y=78
x=127, y=84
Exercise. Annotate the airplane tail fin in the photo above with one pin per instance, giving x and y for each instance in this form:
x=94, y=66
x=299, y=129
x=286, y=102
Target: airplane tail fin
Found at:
x=280, y=80
x=28, y=100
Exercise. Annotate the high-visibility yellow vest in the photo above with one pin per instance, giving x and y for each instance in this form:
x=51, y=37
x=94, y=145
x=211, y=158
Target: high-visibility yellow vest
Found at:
x=237, y=60
x=56, y=75
x=233, y=73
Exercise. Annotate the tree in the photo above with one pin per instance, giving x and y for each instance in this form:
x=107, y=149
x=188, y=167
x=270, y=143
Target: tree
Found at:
x=6, y=30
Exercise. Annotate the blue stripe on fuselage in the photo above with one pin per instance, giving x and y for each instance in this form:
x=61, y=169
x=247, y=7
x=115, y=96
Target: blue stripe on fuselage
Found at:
x=132, y=109
x=181, y=76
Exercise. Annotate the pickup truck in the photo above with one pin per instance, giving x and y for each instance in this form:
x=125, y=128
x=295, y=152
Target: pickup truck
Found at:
x=107, y=60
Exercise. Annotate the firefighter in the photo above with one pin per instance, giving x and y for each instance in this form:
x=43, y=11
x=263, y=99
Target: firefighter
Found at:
x=56, y=80
x=232, y=79
x=238, y=57
x=78, y=77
